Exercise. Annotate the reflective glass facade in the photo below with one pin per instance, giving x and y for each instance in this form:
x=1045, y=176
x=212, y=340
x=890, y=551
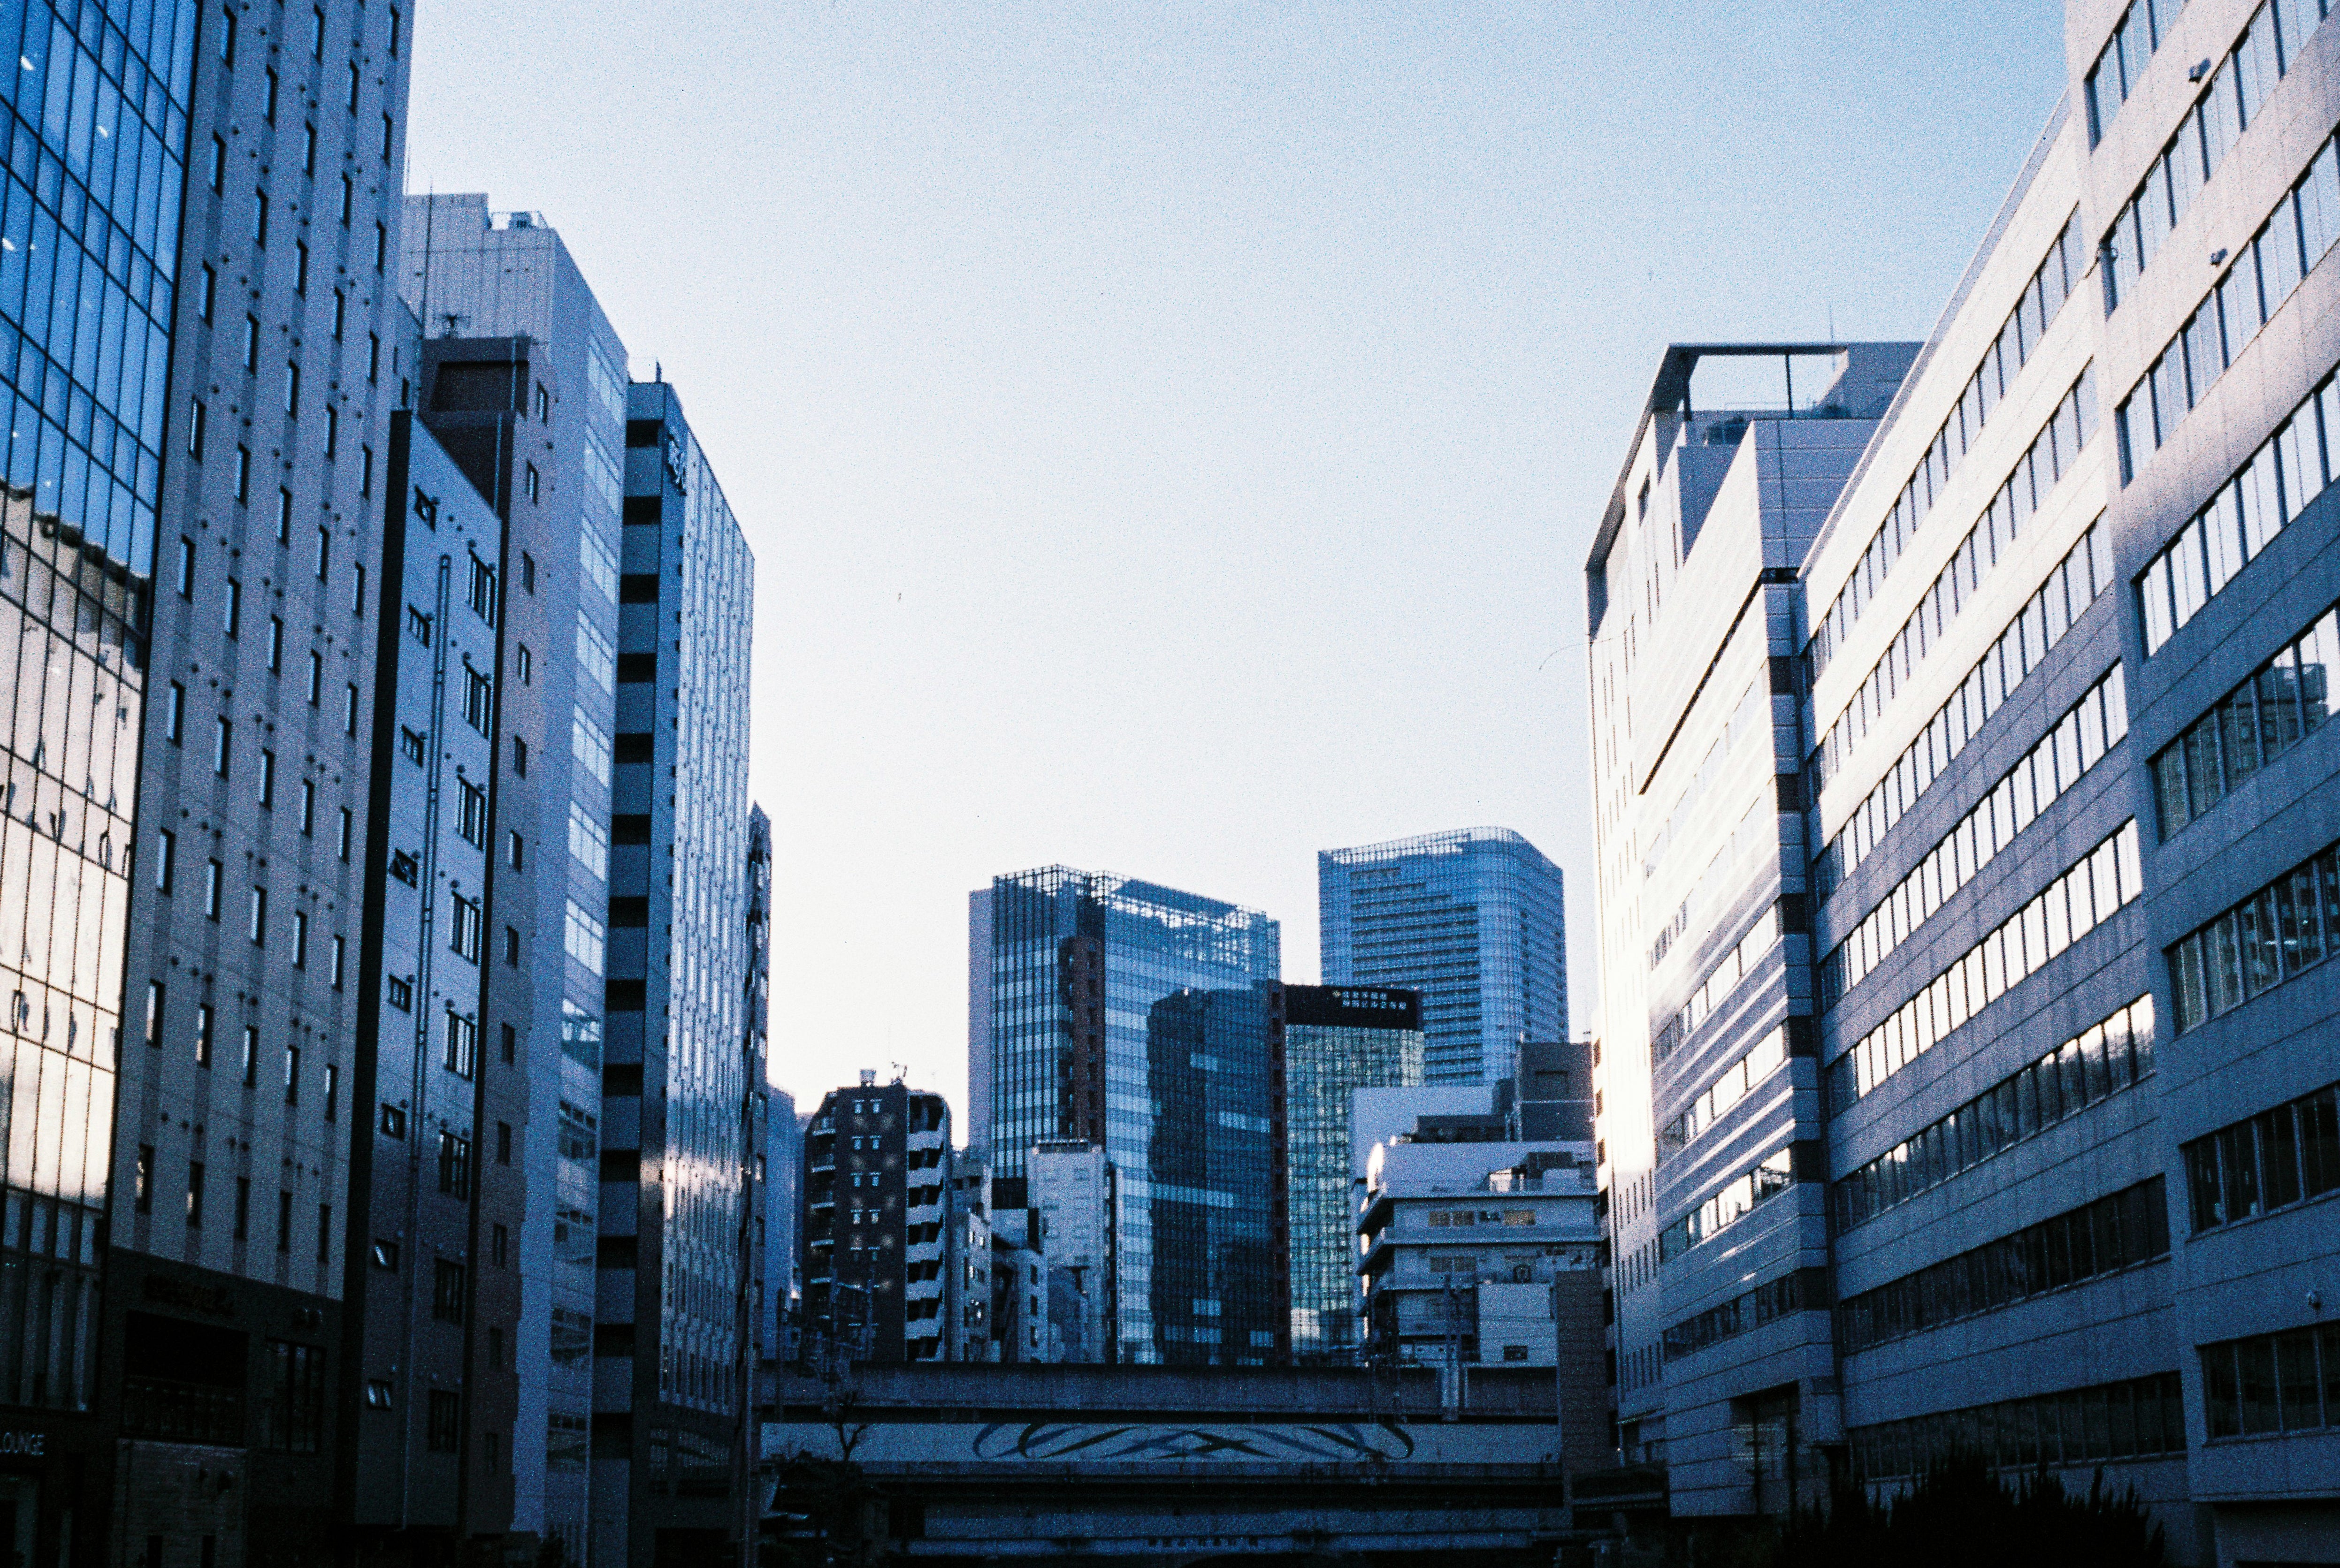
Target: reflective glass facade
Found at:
x=95, y=106
x=679, y=900
x=1135, y=1015
x=1336, y=1039
x=1472, y=920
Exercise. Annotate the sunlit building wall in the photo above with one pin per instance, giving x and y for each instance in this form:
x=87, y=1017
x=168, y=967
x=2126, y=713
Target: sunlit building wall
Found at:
x=1709, y=1119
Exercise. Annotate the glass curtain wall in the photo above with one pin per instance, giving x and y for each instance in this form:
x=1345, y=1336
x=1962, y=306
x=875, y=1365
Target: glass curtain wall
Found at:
x=95, y=110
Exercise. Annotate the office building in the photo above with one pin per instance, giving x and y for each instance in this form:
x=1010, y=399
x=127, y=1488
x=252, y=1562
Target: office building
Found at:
x=1145, y=1020
x=1068, y=1188
x=243, y=303
x=878, y=1228
x=675, y=1148
x=1337, y=1040
x=1486, y=1251
x=1473, y=921
x=1705, y=959
x=1551, y=1092
x=526, y=390
x=2068, y=1115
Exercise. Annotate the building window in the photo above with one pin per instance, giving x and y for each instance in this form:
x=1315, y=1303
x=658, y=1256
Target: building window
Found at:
x=464, y=937
x=447, y=1291
x=462, y=1044
x=166, y=844
x=195, y=429
x=479, y=699
x=203, y=1034
x=443, y=1431
x=454, y=1165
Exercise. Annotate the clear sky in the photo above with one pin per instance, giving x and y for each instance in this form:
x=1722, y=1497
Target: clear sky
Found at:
x=1170, y=435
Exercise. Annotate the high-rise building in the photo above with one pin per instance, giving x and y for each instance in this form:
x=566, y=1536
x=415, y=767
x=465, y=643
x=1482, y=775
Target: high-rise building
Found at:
x=245, y=303
x=877, y=1181
x=2070, y=1111
x=1179, y=1081
x=1473, y=921
x=675, y=1148
x=1705, y=946
x=1337, y=1040
x=526, y=390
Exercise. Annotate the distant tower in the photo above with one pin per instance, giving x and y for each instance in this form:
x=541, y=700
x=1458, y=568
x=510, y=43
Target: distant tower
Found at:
x=1471, y=919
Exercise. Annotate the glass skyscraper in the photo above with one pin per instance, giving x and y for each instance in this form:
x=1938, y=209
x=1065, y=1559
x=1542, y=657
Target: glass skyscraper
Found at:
x=1471, y=919
x=1336, y=1039
x=1145, y=1019
x=95, y=119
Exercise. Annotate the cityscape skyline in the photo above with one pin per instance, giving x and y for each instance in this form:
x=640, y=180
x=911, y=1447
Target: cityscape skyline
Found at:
x=425, y=901
x=903, y=365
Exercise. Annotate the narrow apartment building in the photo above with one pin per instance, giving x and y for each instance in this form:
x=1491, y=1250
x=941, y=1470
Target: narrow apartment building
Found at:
x=527, y=390
x=2076, y=1136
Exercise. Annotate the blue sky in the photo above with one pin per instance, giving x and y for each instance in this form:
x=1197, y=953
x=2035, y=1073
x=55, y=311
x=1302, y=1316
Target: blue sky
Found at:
x=1170, y=437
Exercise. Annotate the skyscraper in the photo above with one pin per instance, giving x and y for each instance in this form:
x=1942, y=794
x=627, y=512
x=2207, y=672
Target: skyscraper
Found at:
x=674, y=1153
x=1179, y=1080
x=1472, y=920
x=1337, y=1040
x=256, y=282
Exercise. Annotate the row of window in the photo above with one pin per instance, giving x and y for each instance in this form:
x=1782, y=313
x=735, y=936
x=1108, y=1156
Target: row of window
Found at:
x=214, y=900
x=1720, y=980
x=2202, y=141
x=2268, y=1161
x=142, y=1196
x=2291, y=924
x=2056, y=763
x=2042, y=297
x=2289, y=470
x=1733, y=1201
x=2138, y=1418
x=157, y=1026
x=2287, y=1382
x=2100, y=1061
x=2119, y=67
x=2071, y=587
x=2279, y=705
x=1806, y=1289
x=2127, y=1227
x=2084, y=897
x=2265, y=271
x=1729, y=1086
x=2046, y=462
